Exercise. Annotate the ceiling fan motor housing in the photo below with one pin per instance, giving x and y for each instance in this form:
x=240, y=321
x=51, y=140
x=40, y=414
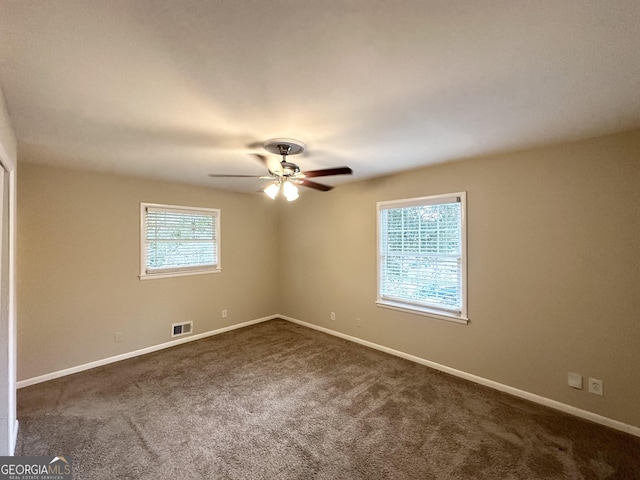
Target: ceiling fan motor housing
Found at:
x=289, y=168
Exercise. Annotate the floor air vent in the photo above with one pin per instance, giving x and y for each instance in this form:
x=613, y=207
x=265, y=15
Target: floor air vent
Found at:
x=178, y=329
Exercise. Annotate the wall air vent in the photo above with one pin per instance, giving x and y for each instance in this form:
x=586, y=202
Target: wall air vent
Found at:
x=178, y=329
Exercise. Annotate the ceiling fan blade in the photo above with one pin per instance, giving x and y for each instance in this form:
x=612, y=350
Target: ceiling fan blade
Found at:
x=328, y=171
x=254, y=145
x=272, y=163
x=261, y=158
x=308, y=183
x=217, y=175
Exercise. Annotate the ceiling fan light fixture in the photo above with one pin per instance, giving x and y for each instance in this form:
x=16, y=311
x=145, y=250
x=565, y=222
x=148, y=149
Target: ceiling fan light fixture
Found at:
x=290, y=191
x=272, y=190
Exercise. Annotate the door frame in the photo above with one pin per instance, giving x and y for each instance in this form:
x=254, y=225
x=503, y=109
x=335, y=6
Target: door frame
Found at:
x=8, y=413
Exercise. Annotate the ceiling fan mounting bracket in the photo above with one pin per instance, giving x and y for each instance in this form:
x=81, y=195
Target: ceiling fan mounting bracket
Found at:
x=284, y=146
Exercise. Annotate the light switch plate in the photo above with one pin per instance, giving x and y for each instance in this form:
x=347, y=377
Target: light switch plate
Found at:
x=575, y=380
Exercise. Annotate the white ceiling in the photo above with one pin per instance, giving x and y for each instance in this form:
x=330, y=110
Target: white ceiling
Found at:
x=179, y=89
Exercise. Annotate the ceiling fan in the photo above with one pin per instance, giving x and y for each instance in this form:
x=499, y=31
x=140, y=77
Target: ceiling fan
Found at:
x=286, y=175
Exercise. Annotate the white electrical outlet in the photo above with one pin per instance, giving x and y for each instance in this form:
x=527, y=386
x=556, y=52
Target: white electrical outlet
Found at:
x=595, y=386
x=225, y=313
x=358, y=323
x=117, y=337
x=333, y=315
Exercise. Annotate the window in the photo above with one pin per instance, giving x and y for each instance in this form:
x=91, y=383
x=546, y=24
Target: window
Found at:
x=422, y=256
x=178, y=241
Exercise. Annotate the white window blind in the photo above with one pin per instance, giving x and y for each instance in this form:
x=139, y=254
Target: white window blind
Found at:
x=422, y=258
x=179, y=239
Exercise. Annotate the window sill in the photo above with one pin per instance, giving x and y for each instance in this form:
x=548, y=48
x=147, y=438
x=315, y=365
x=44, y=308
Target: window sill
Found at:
x=425, y=312
x=154, y=276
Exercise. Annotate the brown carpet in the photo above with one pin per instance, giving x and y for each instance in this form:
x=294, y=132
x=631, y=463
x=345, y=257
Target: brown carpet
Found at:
x=280, y=401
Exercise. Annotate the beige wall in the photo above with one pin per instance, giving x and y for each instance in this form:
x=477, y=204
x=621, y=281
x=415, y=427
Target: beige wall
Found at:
x=79, y=260
x=554, y=269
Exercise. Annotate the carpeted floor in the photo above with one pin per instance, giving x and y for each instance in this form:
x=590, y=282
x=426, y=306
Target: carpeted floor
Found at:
x=280, y=401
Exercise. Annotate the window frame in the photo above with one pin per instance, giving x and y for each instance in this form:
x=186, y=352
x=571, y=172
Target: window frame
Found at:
x=178, y=271
x=407, y=306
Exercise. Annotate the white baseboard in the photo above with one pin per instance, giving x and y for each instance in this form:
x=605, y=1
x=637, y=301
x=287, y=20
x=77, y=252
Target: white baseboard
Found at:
x=136, y=353
x=563, y=407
